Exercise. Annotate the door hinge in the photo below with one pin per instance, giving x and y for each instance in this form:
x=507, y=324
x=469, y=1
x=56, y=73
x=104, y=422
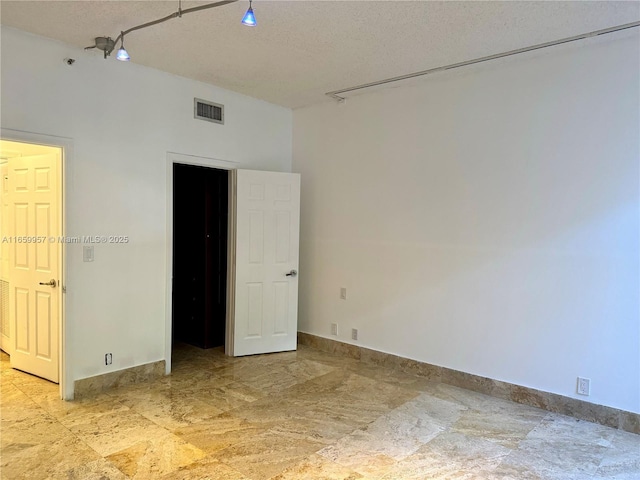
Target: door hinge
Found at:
x=64, y=289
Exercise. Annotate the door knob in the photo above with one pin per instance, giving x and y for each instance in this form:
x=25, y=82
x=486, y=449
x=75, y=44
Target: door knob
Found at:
x=51, y=283
x=292, y=273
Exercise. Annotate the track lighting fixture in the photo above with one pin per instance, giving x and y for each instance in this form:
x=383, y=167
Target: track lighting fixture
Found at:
x=249, y=18
x=107, y=44
x=122, y=54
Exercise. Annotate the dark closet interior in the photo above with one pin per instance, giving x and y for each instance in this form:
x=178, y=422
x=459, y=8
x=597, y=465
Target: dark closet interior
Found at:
x=200, y=207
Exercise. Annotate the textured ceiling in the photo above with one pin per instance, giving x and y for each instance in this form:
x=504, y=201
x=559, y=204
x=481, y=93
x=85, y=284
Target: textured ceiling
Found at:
x=302, y=49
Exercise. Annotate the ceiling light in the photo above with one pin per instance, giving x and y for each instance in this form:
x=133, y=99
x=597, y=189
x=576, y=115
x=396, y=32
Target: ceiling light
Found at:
x=122, y=54
x=107, y=44
x=249, y=18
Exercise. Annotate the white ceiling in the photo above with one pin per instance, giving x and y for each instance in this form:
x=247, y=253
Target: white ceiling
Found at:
x=302, y=49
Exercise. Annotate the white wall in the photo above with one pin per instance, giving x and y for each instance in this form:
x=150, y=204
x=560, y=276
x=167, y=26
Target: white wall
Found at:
x=123, y=119
x=485, y=219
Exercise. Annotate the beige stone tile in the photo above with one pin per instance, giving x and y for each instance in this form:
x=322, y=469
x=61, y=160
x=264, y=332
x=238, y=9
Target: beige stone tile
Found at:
x=451, y=456
x=431, y=372
x=108, y=433
x=622, y=458
x=100, y=469
x=8, y=392
x=223, y=397
x=563, y=445
x=168, y=408
x=521, y=464
x=469, y=381
x=327, y=383
x=266, y=455
x=326, y=358
x=194, y=374
x=36, y=387
x=274, y=377
x=317, y=467
x=349, y=398
x=219, y=433
x=512, y=470
x=84, y=410
x=205, y=469
x=408, y=380
x=274, y=409
x=20, y=378
x=324, y=430
x=467, y=398
x=33, y=429
x=367, y=420
x=50, y=459
x=155, y=457
x=15, y=405
x=366, y=389
x=351, y=411
x=68, y=412
x=365, y=462
x=630, y=422
x=433, y=409
x=399, y=434
x=394, y=436
x=367, y=454
x=87, y=387
x=499, y=421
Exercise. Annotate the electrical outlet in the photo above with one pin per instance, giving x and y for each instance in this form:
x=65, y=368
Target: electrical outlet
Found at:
x=584, y=386
x=354, y=334
x=334, y=329
x=343, y=293
x=108, y=358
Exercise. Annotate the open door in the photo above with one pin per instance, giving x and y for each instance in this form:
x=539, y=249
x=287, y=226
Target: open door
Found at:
x=33, y=257
x=264, y=229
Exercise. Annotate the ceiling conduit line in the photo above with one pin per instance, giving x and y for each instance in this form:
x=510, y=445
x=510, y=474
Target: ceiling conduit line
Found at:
x=336, y=93
x=107, y=44
x=177, y=14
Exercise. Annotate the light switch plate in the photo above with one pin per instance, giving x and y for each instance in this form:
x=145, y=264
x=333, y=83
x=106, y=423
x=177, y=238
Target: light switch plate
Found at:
x=87, y=253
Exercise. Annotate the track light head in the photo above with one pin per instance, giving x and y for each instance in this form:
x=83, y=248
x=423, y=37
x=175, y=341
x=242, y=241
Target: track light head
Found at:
x=249, y=18
x=122, y=54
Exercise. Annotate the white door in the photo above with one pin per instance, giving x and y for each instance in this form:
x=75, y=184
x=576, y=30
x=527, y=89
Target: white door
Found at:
x=264, y=239
x=34, y=300
x=5, y=335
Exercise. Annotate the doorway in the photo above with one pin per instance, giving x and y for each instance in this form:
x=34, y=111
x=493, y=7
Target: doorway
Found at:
x=31, y=265
x=263, y=213
x=199, y=270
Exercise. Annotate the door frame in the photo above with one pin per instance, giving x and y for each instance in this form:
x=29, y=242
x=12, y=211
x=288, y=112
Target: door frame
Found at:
x=65, y=171
x=173, y=158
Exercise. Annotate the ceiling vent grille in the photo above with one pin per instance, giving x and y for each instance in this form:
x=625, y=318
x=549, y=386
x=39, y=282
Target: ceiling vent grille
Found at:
x=209, y=111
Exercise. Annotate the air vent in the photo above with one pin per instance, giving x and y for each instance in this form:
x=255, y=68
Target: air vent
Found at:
x=209, y=111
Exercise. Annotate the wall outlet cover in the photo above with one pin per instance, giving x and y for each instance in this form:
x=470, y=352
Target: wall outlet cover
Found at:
x=584, y=386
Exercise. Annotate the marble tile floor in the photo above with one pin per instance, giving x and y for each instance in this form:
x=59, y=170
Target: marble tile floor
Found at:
x=296, y=415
